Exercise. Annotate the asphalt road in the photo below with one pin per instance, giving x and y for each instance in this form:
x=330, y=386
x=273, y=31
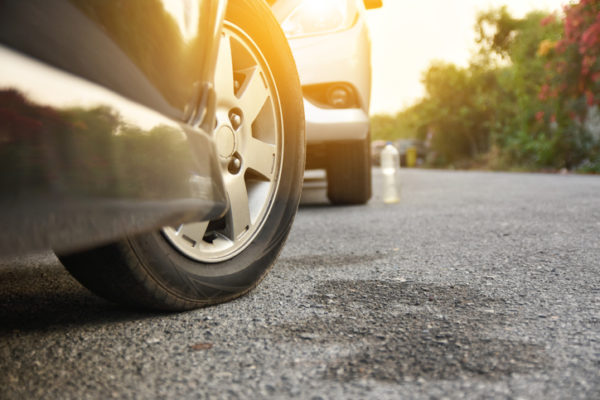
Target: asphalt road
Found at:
x=476, y=285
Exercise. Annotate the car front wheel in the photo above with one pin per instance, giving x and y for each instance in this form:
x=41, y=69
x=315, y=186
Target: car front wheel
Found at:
x=260, y=141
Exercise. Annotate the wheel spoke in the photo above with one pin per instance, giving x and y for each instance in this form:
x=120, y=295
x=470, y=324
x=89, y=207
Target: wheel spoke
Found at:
x=249, y=141
x=253, y=95
x=224, y=70
x=260, y=157
x=193, y=232
x=238, y=217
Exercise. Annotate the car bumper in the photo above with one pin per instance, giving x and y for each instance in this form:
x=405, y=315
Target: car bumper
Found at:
x=81, y=165
x=330, y=125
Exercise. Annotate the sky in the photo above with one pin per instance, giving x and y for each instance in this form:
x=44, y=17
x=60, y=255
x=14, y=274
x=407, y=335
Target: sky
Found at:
x=407, y=35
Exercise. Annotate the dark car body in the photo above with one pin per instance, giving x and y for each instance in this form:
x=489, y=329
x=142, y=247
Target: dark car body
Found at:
x=93, y=95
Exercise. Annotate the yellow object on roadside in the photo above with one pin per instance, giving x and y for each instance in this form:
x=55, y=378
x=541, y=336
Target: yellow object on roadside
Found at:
x=411, y=157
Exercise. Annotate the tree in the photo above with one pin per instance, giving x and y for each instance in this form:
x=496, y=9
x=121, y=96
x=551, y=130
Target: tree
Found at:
x=576, y=56
x=520, y=134
x=525, y=97
x=572, y=81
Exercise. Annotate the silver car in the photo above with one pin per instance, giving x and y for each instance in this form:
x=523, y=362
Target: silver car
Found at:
x=331, y=45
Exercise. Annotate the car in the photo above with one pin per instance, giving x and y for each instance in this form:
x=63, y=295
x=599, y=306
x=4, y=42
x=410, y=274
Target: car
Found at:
x=412, y=152
x=156, y=146
x=331, y=46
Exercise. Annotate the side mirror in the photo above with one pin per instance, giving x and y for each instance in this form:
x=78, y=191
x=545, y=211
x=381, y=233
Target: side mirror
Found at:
x=371, y=4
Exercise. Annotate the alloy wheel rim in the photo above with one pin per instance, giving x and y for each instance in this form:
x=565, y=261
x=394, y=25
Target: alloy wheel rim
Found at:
x=249, y=142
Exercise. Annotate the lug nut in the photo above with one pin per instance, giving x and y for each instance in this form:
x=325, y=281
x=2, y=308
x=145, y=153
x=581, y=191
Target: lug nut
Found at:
x=235, y=118
x=235, y=165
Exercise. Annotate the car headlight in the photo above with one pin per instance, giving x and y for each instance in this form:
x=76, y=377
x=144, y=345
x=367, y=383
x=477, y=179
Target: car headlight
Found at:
x=312, y=17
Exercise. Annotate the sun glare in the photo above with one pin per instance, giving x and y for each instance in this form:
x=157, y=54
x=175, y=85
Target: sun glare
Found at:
x=186, y=14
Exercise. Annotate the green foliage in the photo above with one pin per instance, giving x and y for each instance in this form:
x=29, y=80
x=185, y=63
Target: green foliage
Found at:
x=385, y=127
x=406, y=124
x=511, y=108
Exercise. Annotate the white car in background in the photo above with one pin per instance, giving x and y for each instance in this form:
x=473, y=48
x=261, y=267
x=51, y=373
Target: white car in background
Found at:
x=331, y=45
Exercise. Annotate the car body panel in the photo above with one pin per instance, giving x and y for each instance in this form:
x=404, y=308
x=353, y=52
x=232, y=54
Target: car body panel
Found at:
x=343, y=56
x=92, y=95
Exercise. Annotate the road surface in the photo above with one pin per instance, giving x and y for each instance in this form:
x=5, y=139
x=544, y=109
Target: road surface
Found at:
x=477, y=285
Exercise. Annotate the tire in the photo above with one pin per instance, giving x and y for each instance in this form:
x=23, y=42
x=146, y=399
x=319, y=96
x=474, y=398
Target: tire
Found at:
x=349, y=172
x=198, y=264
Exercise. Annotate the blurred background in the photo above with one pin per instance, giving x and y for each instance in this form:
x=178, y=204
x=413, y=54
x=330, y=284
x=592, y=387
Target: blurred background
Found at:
x=500, y=85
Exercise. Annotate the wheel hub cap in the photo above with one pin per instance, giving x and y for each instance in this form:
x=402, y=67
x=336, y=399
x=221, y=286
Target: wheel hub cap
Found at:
x=225, y=139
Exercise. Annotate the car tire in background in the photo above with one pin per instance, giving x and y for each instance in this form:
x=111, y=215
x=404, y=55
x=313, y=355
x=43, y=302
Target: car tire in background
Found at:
x=349, y=172
x=202, y=263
